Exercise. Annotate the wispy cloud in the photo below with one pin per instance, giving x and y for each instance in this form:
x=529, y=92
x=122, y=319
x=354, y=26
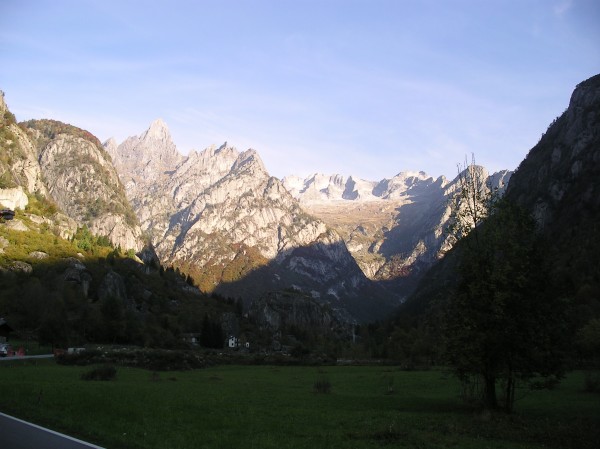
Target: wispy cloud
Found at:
x=562, y=7
x=368, y=89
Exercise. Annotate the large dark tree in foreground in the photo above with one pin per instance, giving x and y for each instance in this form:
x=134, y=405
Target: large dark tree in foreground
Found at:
x=499, y=325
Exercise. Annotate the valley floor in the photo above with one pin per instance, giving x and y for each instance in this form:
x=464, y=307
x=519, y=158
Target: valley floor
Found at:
x=278, y=407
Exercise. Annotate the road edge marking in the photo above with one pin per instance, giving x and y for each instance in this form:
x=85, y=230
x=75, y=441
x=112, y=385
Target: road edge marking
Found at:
x=90, y=445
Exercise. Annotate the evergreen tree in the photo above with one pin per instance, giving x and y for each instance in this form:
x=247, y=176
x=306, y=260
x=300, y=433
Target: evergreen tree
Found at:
x=211, y=335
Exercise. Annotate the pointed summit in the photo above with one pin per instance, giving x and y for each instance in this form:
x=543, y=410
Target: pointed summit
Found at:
x=149, y=154
x=250, y=160
x=158, y=131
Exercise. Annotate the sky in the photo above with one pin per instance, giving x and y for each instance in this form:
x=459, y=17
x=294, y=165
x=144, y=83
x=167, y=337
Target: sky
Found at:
x=367, y=88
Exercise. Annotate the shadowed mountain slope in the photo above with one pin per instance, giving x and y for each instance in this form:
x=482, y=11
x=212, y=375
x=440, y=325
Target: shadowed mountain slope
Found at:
x=559, y=184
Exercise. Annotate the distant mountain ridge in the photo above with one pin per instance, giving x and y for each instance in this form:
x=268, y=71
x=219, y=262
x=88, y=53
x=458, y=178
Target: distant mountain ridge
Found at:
x=394, y=228
x=319, y=188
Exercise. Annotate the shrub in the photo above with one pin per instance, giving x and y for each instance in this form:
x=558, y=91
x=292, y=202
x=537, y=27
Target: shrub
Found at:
x=151, y=359
x=322, y=386
x=106, y=372
x=591, y=382
x=83, y=358
x=6, y=181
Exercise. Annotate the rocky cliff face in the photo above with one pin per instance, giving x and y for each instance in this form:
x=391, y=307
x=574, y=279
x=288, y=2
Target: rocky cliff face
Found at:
x=21, y=176
x=394, y=228
x=559, y=183
x=19, y=157
x=220, y=217
x=558, y=171
x=80, y=178
x=69, y=167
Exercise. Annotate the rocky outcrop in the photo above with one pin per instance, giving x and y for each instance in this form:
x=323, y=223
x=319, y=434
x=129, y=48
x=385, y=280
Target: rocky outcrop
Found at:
x=277, y=312
x=112, y=287
x=78, y=274
x=62, y=225
x=17, y=225
x=18, y=266
x=14, y=198
x=82, y=181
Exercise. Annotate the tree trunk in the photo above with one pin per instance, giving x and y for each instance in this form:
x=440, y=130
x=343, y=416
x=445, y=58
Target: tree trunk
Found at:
x=510, y=393
x=491, y=401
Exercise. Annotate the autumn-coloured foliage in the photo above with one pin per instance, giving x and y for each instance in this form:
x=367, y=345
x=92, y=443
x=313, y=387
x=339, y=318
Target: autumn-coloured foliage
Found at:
x=49, y=129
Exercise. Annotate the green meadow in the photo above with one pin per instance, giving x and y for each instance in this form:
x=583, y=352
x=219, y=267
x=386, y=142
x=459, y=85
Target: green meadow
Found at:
x=278, y=407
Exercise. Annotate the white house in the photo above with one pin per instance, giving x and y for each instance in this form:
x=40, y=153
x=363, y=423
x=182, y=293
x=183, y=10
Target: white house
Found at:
x=233, y=342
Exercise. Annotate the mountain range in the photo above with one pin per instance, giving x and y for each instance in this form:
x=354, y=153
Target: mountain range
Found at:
x=358, y=248
x=220, y=217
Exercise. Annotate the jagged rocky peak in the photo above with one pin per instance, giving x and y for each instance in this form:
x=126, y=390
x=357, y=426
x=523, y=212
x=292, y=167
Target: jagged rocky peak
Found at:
x=250, y=160
x=213, y=152
x=411, y=176
x=319, y=188
x=158, y=130
x=495, y=181
x=399, y=186
x=148, y=154
x=499, y=180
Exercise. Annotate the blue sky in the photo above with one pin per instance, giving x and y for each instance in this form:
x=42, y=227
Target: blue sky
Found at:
x=359, y=87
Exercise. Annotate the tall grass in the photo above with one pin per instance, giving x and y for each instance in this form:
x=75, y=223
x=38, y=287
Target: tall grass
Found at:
x=276, y=407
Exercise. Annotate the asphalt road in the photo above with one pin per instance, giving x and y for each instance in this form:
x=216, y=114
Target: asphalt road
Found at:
x=18, y=434
x=25, y=357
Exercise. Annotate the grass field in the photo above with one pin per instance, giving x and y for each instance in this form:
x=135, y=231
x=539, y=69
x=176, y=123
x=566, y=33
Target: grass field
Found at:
x=277, y=407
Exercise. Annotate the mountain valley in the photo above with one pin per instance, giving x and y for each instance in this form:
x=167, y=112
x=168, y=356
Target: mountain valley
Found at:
x=349, y=250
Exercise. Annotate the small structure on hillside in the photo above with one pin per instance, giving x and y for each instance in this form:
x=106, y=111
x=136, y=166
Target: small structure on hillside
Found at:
x=233, y=342
x=192, y=338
